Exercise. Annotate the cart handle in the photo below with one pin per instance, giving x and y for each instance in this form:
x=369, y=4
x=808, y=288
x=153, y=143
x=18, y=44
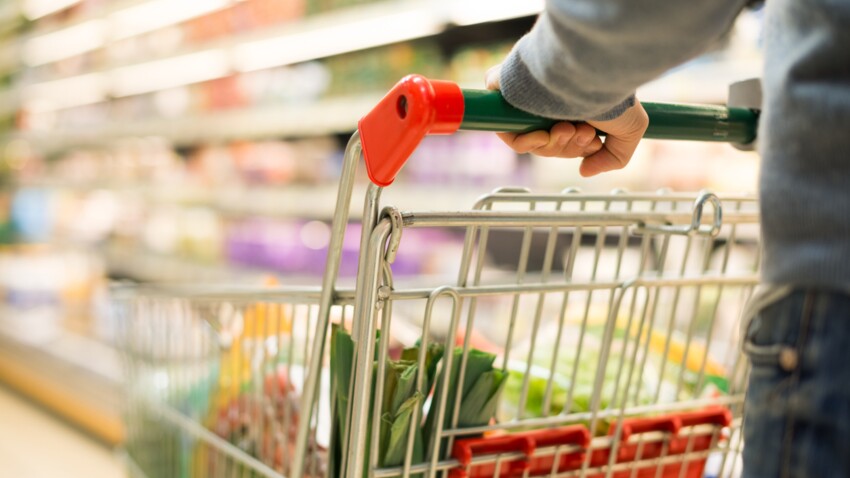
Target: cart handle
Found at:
x=417, y=106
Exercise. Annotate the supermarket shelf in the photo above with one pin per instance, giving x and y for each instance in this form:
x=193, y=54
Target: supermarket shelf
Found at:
x=314, y=37
x=319, y=202
x=37, y=9
x=8, y=102
x=167, y=16
x=369, y=26
x=335, y=32
x=337, y=115
x=29, y=430
x=462, y=13
x=286, y=201
x=164, y=269
x=171, y=269
x=99, y=12
x=76, y=377
x=697, y=82
x=9, y=61
x=143, y=266
x=318, y=36
x=346, y=30
x=9, y=11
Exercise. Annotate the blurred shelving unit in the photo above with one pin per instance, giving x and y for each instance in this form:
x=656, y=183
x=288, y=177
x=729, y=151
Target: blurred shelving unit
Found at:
x=71, y=453
x=285, y=202
x=54, y=124
x=71, y=374
x=200, y=141
x=331, y=116
x=98, y=78
x=55, y=338
x=295, y=41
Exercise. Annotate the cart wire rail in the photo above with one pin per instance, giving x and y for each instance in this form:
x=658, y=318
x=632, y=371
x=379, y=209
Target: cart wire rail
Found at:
x=586, y=335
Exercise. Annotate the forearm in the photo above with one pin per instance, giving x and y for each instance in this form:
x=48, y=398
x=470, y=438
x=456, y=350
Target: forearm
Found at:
x=585, y=58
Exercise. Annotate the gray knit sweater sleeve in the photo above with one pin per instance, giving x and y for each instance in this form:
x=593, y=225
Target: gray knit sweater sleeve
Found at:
x=584, y=58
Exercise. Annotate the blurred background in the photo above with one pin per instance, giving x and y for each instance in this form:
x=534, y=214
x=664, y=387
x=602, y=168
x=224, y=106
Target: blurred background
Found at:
x=200, y=141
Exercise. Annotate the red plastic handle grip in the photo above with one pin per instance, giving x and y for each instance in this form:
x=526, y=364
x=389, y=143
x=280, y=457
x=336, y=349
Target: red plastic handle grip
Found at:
x=570, y=435
x=465, y=450
x=631, y=426
x=574, y=435
x=526, y=443
x=415, y=107
x=710, y=416
x=673, y=423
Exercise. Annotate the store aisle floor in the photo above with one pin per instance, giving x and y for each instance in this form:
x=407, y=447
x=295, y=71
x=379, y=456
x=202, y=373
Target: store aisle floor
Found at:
x=35, y=444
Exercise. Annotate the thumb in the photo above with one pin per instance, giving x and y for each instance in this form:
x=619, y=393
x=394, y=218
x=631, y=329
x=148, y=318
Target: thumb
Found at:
x=614, y=155
x=491, y=79
x=624, y=135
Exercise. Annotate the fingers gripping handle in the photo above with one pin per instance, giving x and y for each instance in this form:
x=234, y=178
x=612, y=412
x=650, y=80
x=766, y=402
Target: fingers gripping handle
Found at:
x=488, y=111
x=417, y=106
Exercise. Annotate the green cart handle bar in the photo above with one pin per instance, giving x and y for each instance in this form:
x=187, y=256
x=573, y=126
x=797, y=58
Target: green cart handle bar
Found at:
x=417, y=106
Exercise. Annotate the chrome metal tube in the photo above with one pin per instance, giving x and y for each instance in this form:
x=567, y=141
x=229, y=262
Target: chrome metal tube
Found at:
x=364, y=314
x=314, y=369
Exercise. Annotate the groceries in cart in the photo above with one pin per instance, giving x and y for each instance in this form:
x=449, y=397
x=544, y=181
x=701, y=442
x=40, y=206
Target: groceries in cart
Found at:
x=405, y=391
x=565, y=383
x=490, y=396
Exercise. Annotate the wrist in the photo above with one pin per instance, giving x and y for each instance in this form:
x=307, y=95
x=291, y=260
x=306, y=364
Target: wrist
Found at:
x=617, y=110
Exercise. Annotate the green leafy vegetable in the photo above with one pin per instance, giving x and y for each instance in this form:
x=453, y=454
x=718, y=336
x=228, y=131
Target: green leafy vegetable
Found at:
x=401, y=401
x=342, y=354
x=480, y=392
x=394, y=433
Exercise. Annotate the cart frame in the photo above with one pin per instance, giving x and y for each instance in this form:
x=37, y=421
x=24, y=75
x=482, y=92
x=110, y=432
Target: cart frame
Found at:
x=374, y=295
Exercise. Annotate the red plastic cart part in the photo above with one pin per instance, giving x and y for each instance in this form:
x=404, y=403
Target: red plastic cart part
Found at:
x=415, y=107
x=527, y=443
x=576, y=435
x=709, y=416
x=673, y=423
x=465, y=450
x=675, y=444
x=718, y=416
x=631, y=426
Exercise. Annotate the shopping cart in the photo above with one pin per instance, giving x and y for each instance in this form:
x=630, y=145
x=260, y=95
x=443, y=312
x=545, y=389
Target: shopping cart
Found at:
x=589, y=335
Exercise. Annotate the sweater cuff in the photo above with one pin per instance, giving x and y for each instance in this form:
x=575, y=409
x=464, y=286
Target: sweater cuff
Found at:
x=522, y=90
x=617, y=110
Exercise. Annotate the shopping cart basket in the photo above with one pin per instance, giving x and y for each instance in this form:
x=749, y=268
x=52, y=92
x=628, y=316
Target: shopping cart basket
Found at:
x=585, y=334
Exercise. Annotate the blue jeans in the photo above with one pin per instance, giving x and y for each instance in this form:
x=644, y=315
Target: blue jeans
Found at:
x=797, y=410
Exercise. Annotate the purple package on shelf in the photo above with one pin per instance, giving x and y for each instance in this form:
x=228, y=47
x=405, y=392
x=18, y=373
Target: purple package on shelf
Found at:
x=292, y=247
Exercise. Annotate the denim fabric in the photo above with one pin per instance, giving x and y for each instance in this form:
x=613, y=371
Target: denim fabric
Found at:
x=797, y=410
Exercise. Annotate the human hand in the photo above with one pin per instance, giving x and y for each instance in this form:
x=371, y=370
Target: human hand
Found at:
x=573, y=140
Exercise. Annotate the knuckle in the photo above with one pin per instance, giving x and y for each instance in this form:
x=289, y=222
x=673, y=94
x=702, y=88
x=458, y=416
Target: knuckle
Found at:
x=564, y=128
x=642, y=120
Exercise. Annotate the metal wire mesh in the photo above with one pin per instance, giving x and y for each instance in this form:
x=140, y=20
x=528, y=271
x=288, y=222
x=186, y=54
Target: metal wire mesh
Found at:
x=215, y=379
x=600, y=309
x=596, y=309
